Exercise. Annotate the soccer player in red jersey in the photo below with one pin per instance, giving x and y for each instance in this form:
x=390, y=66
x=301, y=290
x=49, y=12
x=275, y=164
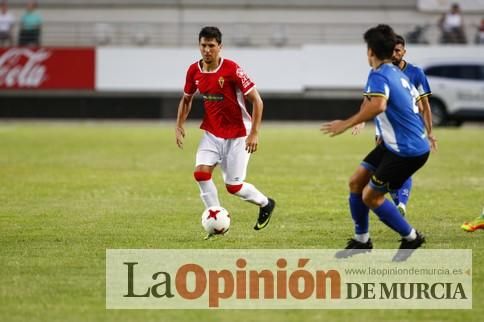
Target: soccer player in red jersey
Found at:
x=231, y=133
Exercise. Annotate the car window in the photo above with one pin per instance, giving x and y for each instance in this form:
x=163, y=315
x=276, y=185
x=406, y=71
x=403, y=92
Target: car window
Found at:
x=434, y=71
x=470, y=72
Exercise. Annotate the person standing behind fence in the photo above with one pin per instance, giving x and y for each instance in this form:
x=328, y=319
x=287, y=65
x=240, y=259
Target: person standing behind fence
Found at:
x=452, y=26
x=480, y=33
x=7, y=21
x=30, y=26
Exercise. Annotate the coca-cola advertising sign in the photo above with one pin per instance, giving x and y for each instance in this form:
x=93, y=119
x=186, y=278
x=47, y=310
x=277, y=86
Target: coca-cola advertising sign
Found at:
x=47, y=68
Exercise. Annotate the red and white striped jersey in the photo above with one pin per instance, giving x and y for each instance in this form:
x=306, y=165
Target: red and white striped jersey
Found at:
x=223, y=91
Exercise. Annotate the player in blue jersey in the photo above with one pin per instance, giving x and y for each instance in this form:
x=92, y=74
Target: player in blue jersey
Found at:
x=418, y=79
x=391, y=101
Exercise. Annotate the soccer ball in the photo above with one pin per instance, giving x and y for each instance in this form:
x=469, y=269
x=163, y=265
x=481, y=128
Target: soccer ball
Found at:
x=216, y=220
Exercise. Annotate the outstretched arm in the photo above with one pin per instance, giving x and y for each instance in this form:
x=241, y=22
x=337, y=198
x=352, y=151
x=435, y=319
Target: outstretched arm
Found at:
x=257, y=107
x=358, y=127
x=374, y=106
x=184, y=108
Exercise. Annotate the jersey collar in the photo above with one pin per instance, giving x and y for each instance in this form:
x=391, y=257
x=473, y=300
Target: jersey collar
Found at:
x=405, y=64
x=213, y=71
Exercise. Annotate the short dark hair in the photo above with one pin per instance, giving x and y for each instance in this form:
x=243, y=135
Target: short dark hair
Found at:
x=210, y=32
x=381, y=40
x=400, y=40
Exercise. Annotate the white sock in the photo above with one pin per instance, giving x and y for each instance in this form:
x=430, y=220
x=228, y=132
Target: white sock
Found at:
x=362, y=238
x=208, y=193
x=411, y=236
x=250, y=193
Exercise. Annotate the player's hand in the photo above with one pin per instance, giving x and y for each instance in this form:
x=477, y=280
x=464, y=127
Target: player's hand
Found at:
x=251, y=143
x=180, y=135
x=357, y=128
x=433, y=142
x=333, y=128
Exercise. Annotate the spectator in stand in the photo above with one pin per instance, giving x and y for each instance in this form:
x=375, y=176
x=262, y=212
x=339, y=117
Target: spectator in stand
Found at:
x=7, y=21
x=452, y=26
x=480, y=33
x=30, y=26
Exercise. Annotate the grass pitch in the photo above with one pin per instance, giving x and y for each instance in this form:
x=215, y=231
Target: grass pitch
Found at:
x=68, y=191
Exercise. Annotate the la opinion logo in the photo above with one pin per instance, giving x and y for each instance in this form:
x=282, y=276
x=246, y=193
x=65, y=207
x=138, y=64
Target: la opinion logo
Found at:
x=239, y=285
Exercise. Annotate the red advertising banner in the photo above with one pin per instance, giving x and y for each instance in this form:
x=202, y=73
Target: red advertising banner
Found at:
x=47, y=68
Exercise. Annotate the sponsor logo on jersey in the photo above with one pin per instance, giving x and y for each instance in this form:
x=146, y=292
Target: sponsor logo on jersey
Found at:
x=243, y=77
x=213, y=97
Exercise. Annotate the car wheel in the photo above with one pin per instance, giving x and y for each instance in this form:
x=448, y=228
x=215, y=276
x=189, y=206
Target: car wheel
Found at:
x=439, y=114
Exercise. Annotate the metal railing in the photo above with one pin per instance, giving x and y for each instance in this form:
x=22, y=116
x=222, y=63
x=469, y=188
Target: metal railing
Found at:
x=369, y=4
x=241, y=35
x=182, y=35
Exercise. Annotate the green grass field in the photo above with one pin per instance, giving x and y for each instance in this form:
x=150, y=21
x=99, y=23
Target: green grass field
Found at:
x=69, y=191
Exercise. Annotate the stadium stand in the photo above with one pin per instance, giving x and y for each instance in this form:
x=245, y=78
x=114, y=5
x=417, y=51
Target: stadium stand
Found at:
x=262, y=23
x=229, y=3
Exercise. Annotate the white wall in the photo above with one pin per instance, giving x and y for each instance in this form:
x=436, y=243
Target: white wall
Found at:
x=164, y=70
x=278, y=71
x=142, y=70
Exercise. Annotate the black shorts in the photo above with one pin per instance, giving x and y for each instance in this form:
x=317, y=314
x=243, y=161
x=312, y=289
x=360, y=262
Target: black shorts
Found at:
x=390, y=171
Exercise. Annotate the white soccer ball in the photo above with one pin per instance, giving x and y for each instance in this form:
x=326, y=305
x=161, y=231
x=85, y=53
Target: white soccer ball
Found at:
x=216, y=220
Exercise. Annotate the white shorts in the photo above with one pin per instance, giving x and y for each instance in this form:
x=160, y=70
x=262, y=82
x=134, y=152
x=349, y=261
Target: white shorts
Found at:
x=229, y=153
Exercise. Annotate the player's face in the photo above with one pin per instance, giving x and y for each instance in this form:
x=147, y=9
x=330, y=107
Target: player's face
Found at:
x=369, y=53
x=210, y=49
x=398, y=54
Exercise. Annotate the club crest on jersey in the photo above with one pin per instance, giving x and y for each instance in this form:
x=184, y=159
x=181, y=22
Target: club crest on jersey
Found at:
x=221, y=81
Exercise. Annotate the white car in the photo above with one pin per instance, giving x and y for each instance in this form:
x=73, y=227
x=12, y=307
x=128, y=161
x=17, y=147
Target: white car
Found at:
x=457, y=91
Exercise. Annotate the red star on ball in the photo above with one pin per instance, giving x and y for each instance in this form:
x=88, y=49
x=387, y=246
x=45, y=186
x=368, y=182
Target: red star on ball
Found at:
x=212, y=214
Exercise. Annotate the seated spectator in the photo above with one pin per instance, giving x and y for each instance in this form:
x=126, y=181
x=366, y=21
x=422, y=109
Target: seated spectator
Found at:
x=30, y=26
x=7, y=21
x=480, y=33
x=452, y=27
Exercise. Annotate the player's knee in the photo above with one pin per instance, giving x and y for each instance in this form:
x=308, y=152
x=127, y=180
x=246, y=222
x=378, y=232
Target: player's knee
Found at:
x=370, y=200
x=233, y=188
x=202, y=176
x=366, y=199
x=356, y=184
